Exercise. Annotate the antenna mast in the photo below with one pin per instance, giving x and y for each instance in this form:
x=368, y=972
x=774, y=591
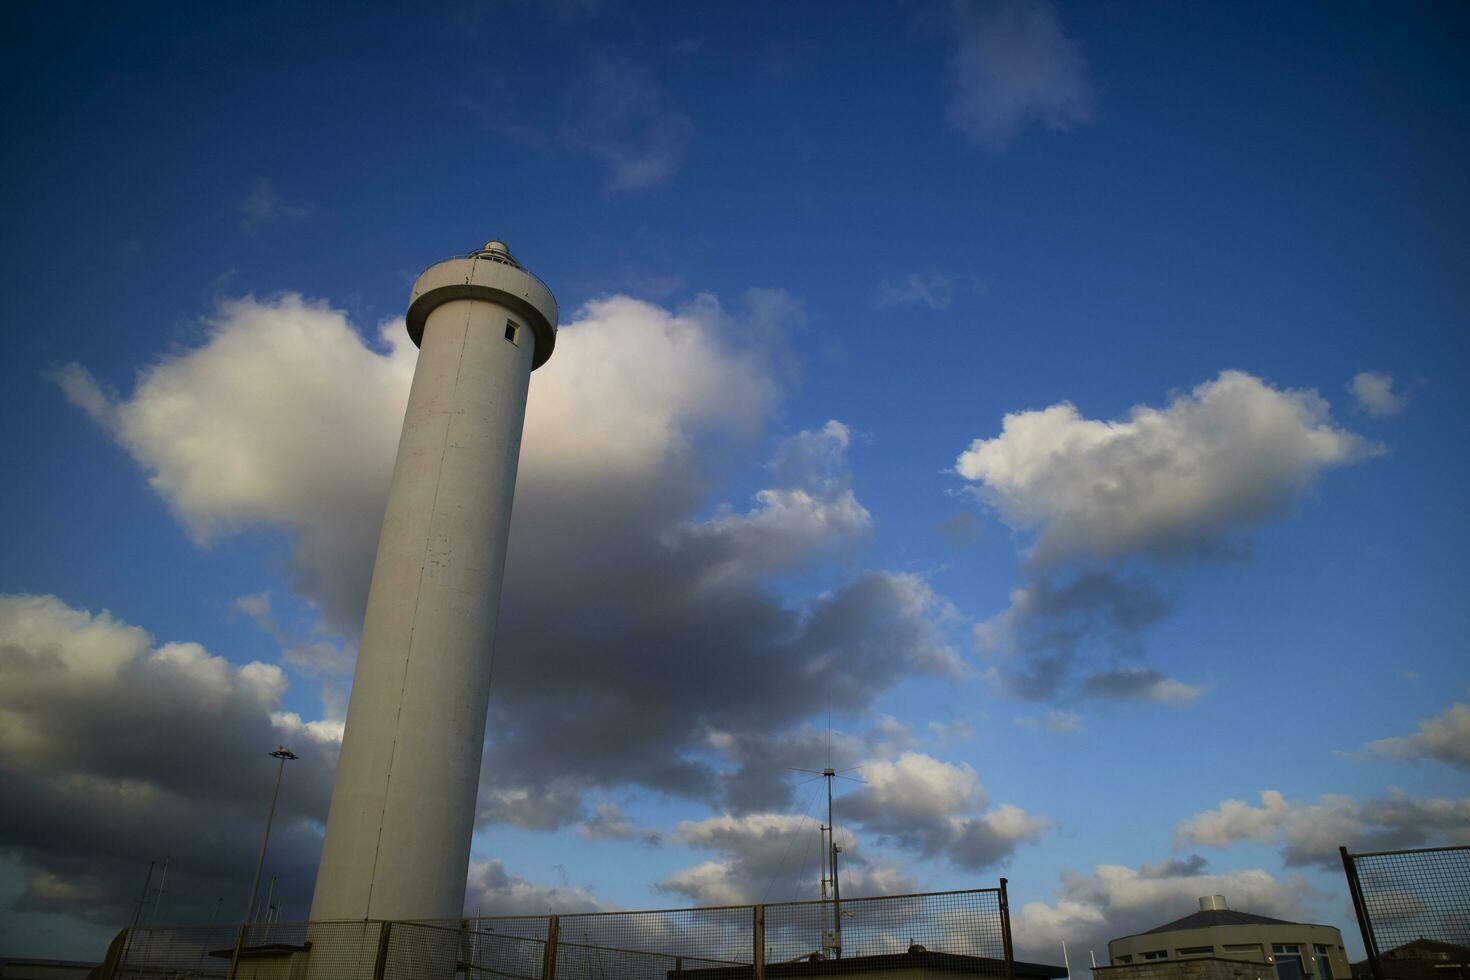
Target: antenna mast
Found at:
x=835, y=937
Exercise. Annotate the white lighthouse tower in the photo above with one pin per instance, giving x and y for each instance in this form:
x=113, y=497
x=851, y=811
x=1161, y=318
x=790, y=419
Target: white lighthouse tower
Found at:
x=398, y=835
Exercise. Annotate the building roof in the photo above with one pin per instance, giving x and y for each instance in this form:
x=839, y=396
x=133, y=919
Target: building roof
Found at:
x=914, y=959
x=1208, y=918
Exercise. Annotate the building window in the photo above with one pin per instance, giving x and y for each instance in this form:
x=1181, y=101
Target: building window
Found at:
x=1288, y=961
x=1156, y=954
x=1250, y=949
x=1196, y=950
x=1324, y=965
x=512, y=331
x=1124, y=959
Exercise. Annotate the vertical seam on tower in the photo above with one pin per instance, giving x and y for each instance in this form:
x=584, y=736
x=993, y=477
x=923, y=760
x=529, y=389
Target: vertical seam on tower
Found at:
x=418, y=596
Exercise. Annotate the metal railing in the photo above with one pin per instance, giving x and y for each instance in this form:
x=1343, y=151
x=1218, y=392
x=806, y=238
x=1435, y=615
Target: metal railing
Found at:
x=967, y=932
x=1411, y=905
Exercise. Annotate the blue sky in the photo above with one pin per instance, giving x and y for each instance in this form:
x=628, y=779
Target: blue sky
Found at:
x=1068, y=405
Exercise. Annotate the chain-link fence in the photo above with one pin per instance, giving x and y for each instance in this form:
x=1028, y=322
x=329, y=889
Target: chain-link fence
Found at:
x=964, y=932
x=1413, y=907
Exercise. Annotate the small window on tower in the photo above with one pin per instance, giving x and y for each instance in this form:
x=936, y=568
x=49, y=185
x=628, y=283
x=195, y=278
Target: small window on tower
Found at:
x=511, y=330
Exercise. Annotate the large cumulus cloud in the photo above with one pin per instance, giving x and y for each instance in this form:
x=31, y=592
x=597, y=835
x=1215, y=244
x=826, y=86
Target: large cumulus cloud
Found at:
x=1229, y=453
x=773, y=857
x=1311, y=832
x=1097, y=502
x=937, y=808
x=641, y=638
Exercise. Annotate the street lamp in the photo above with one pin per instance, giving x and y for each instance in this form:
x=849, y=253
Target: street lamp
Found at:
x=283, y=754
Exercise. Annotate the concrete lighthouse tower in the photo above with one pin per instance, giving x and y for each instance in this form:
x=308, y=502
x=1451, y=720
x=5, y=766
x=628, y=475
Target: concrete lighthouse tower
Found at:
x=398, y=835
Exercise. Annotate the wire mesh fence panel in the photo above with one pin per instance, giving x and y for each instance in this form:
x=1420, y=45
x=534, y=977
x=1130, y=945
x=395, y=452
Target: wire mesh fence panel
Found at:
x=954, y=930
x=417, y=951
x=340, y=950
x=163, y=951
x=1408, y=896
x=653, y=945
x=914, y=930
x=508, y=946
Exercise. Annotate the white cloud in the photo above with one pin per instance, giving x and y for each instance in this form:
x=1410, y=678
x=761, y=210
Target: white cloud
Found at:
x=932, y=289
x=1310, y=833
x=930, y=806
x=607, y=821
x=311, y=654
x=491, y=890
x=1229, y=453
x=772, y=857
x=1053, y=721
x=617, y=114
x=264, y=206
x=283, y=417
x=1374, y=393
x=1445, y=737
x=812, y=510
x=1012, y=65
x=1115, y=900
x=955, y=730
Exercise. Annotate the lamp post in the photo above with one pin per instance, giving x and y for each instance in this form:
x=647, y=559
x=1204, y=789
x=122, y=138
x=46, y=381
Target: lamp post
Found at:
x=283, y=754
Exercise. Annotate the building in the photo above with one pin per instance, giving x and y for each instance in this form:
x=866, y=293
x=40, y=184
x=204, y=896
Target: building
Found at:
x=917, y=963
x=1220, y=943
x=24, y=968
x=1422, y=959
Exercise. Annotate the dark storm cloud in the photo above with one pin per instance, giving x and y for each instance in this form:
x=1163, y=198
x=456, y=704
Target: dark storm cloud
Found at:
x=115, y=752
x=1050, y=631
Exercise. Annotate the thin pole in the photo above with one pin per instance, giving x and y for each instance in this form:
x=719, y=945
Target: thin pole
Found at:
x=162, y=883
x=1066, y=962
x=1093, y=954
x=832, y=860
x=270, y=904
x=281, y=753
x=209, y=936
x=1355, y=889
x=143, y=898
x=1005, y=931
x=132, y=933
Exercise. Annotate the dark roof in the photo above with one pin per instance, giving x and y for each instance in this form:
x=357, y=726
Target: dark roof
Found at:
x=260, y=950
x=925, y=959
x=1206, y=918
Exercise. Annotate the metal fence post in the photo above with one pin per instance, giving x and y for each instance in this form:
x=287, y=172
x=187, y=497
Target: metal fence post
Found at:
x=1355, y=889
x=380, y=966
x=1005, y=931
x=758, y=940
x=239, y=945
x=548, y=955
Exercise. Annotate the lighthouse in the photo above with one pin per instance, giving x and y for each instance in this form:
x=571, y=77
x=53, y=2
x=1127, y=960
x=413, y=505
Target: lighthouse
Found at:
x=398, y=833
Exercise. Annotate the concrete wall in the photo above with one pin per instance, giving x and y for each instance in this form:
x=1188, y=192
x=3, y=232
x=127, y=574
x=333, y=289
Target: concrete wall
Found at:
x=1193, y=968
